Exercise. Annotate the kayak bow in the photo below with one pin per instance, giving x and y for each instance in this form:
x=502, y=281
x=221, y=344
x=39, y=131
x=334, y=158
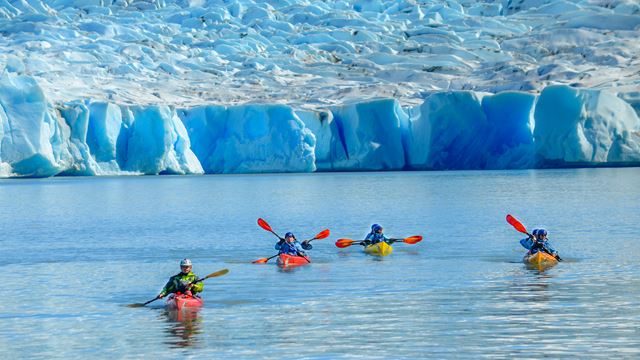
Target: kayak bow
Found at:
x=379, y=249
x=179, y=302
x=285, y=260
x=540, y=259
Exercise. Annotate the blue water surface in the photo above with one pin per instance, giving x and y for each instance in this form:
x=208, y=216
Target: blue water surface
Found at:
x=75, y=251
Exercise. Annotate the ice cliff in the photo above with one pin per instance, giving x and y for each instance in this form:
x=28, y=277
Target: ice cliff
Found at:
x=562, y=126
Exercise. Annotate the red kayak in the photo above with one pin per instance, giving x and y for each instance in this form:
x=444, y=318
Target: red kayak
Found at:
x=285, y=260
x=179, y=302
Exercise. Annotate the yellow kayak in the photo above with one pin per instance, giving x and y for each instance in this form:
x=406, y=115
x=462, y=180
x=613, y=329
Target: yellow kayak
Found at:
x=379, y=249
x=540, y=259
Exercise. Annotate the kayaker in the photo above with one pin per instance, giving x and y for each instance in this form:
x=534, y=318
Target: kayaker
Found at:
x=291, y=246
x=182, y=282
x=375, y=236
x=539, y=242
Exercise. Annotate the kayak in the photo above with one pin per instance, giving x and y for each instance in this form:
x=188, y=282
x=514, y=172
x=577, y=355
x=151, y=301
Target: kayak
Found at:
x=540, y=259
x=379, y=249
x=179, y=302
x=285, y=260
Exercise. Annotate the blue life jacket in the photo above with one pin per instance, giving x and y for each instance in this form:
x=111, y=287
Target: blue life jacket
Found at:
x=375, y=238
x=535, y=246
x=293, y=248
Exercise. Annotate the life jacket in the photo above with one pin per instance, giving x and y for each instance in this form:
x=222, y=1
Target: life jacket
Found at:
x=289, y=248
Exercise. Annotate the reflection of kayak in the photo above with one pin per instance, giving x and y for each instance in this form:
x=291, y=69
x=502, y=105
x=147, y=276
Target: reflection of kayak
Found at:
x=379, y=249
x=285, y=260
x=178, y=302
x=540, y=259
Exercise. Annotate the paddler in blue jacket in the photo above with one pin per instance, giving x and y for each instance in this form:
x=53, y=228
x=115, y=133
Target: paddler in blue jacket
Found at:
x=539, y=242
x=291, y=246
x=375, y=236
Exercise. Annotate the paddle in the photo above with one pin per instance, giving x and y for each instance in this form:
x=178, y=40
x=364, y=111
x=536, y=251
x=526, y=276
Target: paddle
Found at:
x=263, y=224
x=263, y=260
x=213, y=274
x=141, y=305
x=518, y=226
x=343, y=243
x=319, y=236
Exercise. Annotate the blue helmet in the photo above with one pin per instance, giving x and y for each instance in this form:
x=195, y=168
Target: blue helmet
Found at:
x=376, y=227
x=289, y=234
x=542, y=232
x=534, y=232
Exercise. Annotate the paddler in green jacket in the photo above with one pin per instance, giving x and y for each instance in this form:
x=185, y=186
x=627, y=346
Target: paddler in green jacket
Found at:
x=182, y=282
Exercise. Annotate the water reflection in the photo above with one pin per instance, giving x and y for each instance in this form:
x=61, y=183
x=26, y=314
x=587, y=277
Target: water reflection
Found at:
x=182, y=327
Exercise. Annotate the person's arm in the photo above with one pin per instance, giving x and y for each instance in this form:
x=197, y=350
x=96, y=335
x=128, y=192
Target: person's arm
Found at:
x=279, y=245
x=197, y=287
x=299, y=249
x=549, y=249
x=167, y=289
x=367, y=239
x=526, y=243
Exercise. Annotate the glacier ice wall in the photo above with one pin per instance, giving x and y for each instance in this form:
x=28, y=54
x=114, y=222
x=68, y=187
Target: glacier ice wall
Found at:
x=250, y=138
x=40, y=139
x=563, y=126
x=579, y=126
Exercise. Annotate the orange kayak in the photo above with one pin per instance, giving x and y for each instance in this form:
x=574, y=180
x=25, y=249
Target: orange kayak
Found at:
x=179, y=302
x=285, y=260
x=540, y=259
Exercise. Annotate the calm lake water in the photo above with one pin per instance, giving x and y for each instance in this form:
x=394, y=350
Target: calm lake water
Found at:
x=75, y=251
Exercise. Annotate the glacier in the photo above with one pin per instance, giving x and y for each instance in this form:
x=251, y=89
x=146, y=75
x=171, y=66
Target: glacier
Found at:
x=144, y=87
x=560, y=127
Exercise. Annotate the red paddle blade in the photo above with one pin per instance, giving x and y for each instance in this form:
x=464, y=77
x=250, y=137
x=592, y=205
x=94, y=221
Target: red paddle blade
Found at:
x=322, y=234
x=343, y=243
x=516, y=224
x=263, y=224
x=412, y=239
x=260, y=261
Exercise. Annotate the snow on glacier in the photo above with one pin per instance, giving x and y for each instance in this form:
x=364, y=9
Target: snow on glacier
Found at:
x=110, y=87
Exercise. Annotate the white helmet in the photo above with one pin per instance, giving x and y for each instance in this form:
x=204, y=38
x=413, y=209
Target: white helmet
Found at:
x=185, y=262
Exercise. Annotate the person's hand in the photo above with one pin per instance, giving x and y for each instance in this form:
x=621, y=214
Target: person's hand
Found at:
x=189, y=286
x=160, y=296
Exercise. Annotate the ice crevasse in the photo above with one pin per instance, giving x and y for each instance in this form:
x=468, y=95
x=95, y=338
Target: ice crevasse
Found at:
x=560, y=127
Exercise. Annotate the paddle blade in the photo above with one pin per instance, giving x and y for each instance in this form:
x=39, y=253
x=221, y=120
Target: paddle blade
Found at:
x=145, y=304
x=322, y=234
x=516, y=224
x=260, y=261
x=263, y=224
x=217, y=273
x=412, y=239
x=343, y=243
